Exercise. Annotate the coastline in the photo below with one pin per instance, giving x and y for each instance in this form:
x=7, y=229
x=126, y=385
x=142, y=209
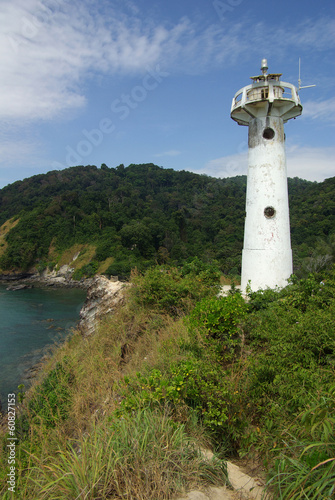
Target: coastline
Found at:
x=29, y=280
x=102, y=296
x=36, y=359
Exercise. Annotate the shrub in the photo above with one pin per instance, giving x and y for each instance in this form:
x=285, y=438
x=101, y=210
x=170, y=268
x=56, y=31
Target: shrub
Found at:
x=262, y=299
x=168, y=290
x=87, y=271
x=219, y=319
x=208, y=273
x=195, y=385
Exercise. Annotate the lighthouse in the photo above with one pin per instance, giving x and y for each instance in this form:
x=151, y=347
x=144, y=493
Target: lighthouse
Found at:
x=264, y=106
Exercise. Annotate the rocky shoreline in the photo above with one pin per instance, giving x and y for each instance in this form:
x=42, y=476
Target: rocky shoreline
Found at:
x=103, y=295
x=59, y=279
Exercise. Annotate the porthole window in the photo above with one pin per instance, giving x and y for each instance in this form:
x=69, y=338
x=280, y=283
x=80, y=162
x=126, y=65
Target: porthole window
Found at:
x=269, y=212
x=268, y=133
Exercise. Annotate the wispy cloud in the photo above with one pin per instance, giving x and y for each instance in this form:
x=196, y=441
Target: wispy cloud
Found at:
x=314, y=164
x=227, y=166
x=18, y=151
x=324, y=110
x=20, y=157
x=318, y=34
x=50, y=50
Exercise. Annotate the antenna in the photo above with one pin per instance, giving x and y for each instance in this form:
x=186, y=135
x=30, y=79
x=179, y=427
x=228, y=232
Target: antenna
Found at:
x=299, y=80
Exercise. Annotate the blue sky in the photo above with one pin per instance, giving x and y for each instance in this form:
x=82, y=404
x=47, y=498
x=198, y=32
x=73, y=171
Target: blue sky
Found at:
x=121, y=81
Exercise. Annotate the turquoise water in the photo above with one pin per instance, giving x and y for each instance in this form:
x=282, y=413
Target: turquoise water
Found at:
x=31, y=321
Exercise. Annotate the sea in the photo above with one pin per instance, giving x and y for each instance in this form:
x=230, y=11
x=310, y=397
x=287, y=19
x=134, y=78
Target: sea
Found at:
x=32, y=321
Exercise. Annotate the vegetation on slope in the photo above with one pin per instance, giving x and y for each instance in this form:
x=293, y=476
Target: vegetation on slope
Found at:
x=143, y=215
x=118, y=414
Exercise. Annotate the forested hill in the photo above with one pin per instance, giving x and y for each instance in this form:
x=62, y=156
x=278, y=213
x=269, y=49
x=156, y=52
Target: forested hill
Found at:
x=113, y=219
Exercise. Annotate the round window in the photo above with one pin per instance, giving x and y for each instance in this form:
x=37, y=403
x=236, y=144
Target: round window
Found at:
x=269, y=212
x=268, y=133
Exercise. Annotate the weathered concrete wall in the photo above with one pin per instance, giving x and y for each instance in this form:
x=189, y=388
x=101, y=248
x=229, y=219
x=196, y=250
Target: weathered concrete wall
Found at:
x=267, y=254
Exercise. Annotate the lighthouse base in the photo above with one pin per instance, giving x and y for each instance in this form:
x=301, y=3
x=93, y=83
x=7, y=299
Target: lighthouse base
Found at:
x=268, y=268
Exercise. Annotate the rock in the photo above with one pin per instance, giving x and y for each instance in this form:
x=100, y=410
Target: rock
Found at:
x=212, y=493
x=103, y=296
x=15, y=277
x=248, y=486
x=244, y=486
x=59, y=280
x=195, y=495
x=65, y=271
x=46, y=274
x=18, y=287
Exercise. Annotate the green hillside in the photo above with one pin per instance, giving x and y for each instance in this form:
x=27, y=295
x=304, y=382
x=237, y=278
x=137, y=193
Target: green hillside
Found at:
x=114, y=219
x=124, y=413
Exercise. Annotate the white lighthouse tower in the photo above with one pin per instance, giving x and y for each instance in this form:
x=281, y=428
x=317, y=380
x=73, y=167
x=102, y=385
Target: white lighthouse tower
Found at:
x=264, y=106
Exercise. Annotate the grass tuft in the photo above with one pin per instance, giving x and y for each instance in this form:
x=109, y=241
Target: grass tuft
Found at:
x=146, y=456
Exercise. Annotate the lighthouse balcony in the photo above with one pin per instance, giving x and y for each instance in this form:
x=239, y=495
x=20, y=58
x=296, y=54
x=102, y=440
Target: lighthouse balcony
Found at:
x=265, y=98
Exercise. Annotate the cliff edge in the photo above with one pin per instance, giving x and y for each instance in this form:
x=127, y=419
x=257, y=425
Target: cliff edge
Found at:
x=103, y=295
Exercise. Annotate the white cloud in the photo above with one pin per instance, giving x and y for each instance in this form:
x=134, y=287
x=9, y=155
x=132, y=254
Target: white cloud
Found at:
x=18, y=151
x=20, y=157
x=227, y=166
x=314, y=164
x=49, y=50
x=47, y=53
x=324, y=110
x=317, y=34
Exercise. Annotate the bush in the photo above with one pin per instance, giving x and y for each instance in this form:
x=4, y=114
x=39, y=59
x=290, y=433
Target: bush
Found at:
x=207, y=273
x=169, y=291
x=218, y=320
x=87, y=271
x=190, y=385
x=193, y=373
x=262, y=299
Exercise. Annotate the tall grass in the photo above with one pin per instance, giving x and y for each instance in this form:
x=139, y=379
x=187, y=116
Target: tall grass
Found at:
x=121, y=414
x=305, y=467
x=146, y=456
x=295, y=479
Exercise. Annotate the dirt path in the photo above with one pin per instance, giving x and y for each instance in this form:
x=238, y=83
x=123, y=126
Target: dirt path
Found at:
x=244, y=487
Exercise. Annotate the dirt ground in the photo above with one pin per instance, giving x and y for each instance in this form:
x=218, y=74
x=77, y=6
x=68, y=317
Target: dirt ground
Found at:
x=247, y=478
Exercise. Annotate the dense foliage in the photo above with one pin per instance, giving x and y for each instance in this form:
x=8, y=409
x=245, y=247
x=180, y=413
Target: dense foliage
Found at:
x=243, y=377
x=260, y=378
x=143, y=214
